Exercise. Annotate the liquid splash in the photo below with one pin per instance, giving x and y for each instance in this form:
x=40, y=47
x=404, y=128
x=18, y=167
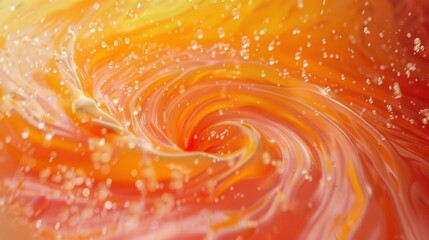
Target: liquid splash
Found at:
x=214, y=119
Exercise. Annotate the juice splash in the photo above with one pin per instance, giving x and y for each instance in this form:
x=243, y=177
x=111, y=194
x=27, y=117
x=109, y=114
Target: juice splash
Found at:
x=214, y=119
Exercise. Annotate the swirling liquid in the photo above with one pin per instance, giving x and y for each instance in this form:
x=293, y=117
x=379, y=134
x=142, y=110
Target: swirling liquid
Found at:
x=214, y=119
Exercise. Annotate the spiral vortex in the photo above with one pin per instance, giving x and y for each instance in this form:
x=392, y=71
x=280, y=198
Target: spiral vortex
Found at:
x=214, y=119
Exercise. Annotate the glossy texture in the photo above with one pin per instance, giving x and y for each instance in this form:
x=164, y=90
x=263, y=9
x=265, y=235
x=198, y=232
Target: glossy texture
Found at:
x=215, y=119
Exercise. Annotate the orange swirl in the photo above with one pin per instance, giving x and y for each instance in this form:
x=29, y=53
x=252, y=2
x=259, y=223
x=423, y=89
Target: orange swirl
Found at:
x=209, y=119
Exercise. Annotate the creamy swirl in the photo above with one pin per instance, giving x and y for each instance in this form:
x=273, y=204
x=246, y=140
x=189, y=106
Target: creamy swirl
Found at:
x=213, y=119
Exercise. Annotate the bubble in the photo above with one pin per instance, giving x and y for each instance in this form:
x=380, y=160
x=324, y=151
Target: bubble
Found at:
x=139, y=185
x=102, y=152
x=102, y=193
x=86, y=192
x=45, y=173
x=142, y=118
x=108, y=205
x=164, y=204
x=96, y=6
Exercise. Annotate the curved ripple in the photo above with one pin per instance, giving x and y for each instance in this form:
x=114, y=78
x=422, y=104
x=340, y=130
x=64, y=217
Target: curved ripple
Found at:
x=133, y=120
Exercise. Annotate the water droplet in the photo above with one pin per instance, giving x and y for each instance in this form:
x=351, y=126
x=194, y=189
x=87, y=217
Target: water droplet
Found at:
x=41, y=125
x=12, y=7
x=397, y=90
x=245, y=42
x=38, y=224
x=25, y=134
x=45, y=173
x=86, y=192
x=200, y=34
x=271, y=46
x=102, y=152
x=266, y=158
x=103, y=193
x=389, y=108
x=235, y=13
x=221, y=32
x=49, y=136
x=108, y=205
x=425, y=113
x=418, y=45
x=297, y=56
x=182, y=89
x=300, y=3
x=164, y=204
x=139, y=185
x=176, y=180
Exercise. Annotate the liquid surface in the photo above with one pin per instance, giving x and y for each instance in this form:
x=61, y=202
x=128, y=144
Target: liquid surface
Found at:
x=214, y=119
